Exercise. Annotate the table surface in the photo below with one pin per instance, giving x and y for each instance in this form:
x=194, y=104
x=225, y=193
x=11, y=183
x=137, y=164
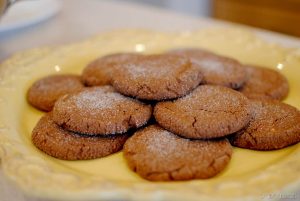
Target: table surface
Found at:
x=81, y=19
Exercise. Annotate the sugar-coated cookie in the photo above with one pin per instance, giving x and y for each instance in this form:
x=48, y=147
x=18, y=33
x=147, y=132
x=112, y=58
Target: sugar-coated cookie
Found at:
x=100, y=111
x=99, y=71
x=156, y=77
x=158, y=155
x=264, y=83
x=274, y=125
x=62, y=144
x=44, y=92
x=216, y=69
x=209, y=111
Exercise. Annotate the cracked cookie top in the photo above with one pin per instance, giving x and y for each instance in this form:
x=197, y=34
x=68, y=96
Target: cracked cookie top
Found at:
x=44, y=92
x=264, y=83
x=156, y=77
x=159, y=155
x=273, y=125
x=216, y=69
x=99, y=71
x=66, y=145
x=100, y=111
x=209, y=111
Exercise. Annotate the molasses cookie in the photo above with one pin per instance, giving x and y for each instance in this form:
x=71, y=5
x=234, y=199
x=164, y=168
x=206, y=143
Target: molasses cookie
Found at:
x=62, y=144
x=209, y=111
x=274, y=125
x=100, y=111
x=99, y=71
x=159, y=155
x=264, y=83
x=44, y=92
x=216, y=69
x=157, y=77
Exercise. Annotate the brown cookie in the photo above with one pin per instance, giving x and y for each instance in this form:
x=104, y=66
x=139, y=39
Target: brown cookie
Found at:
x=99, y=71
x=44, y=92
x=100, y=111
x=210, y=111
x=264, y=83
x=159, y=155
x=216, y=69
x=156, y=77
x=62, y=144
x=274, y=125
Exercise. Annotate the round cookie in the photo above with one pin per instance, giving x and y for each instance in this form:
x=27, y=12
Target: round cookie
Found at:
x=54, y=141
x=157, y=77
x=159, y=155
x=274, y=125
x=210, y=111
x=264, y=83
x=216, y=69
x=44, y=92
x=100, y=111
x=99, y=71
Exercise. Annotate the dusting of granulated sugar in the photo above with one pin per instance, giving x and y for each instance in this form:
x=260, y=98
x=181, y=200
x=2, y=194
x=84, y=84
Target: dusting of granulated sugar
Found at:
x=58, y=83
x=119, y=57
x=166, y=145
x=211, y=98
x=97, y=99
x=155, y=66
x=211, y=65
x=147, y=71
x=163, y=142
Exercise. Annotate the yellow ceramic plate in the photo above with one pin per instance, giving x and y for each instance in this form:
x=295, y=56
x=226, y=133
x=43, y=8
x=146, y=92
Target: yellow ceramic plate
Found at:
x=251, y=175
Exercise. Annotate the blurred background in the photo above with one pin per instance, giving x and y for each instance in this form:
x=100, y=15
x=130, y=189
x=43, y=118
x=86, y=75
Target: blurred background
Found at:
x=36, y=23
x=276, y=15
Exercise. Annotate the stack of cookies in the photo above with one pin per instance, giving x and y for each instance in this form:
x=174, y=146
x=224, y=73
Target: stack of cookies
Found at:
x=177, y=114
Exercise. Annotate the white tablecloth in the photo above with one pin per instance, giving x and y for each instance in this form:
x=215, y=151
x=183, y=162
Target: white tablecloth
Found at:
x=81, y=19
